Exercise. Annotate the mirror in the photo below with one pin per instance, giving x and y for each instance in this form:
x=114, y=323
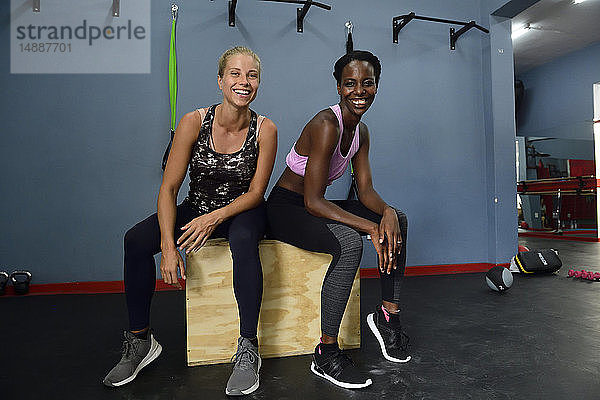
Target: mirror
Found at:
x=556, y=173
x=557, y=186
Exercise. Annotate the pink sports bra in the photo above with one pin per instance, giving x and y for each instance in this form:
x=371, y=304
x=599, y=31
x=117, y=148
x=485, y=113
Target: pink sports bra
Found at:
x=338, y=164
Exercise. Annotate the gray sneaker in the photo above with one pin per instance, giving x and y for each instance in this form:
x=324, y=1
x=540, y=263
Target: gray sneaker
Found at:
x=137, y=353
x=244, y=378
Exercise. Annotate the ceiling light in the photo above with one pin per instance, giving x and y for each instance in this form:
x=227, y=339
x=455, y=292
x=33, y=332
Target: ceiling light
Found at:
x=520, y=31
x=578, y=1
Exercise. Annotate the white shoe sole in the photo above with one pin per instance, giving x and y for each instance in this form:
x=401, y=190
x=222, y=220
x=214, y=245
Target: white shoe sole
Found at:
x=251, y=388
x=371, y=323
x=345, y=385
x=155, y=350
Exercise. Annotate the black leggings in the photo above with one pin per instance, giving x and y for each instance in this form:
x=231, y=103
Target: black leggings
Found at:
x=291, y=223
x=243, y=231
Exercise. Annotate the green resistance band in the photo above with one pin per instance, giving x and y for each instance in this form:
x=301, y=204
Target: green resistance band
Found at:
x=172, y=82
x=173, y=68
x=353, y=191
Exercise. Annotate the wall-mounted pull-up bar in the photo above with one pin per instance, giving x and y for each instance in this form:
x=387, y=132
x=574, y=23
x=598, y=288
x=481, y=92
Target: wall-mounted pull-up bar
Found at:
x=301, y=12
x=115, y=10
x=400, y=22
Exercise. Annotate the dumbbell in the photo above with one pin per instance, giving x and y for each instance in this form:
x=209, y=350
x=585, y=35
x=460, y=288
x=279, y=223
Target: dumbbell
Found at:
x=592, y=276
x=583, y=274
x=577, y=274
x=589, y=275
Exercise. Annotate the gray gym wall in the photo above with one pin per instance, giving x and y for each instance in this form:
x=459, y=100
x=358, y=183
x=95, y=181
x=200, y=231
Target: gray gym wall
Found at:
x=81, y=153
x=559, y=100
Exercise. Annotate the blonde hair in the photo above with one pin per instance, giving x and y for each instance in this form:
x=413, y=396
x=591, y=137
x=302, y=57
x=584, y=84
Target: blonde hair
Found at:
x=235, y=51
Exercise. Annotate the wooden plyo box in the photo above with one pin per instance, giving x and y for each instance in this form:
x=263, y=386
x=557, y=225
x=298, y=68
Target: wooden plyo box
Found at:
x=290, y=316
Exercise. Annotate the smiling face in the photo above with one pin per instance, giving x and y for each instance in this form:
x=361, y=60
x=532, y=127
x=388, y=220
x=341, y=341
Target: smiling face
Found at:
x=239, y=80
x=357, y=87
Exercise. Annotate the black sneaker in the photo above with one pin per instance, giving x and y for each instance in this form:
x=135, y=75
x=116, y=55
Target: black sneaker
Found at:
x=392, y=340
x=338, y=369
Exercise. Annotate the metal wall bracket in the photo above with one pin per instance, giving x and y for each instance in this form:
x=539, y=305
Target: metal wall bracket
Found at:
x=116, y=8
x=36, y=5
x=455, y=35
x=400, y=22
x=232, y=5
x=301, y=12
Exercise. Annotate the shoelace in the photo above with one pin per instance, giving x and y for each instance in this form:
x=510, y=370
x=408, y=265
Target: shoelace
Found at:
x=243, y=358
x=129, y=349
x=399, y=339
x=336, y=363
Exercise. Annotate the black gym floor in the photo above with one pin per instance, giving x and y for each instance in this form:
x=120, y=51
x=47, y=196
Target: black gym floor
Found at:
x=538, y=340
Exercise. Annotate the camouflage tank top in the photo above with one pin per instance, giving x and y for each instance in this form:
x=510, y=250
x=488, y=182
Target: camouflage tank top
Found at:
x=216, y=179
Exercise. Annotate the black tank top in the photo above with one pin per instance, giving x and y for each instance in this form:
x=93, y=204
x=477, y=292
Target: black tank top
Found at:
x=216, y=179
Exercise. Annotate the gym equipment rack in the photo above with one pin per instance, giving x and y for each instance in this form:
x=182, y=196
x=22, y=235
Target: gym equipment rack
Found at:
x=301, y=12
x=577, y=185
x=400, y=22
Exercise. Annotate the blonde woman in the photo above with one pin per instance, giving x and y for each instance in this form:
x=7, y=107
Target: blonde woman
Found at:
x=230, y=152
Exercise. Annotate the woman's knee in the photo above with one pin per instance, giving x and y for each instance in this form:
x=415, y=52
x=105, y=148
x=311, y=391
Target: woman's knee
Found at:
x=354, y=242
x=135, y=240
x=402, y=219
x=244, y=239
x=348, y=238
x=130, y=238
x=246, y=233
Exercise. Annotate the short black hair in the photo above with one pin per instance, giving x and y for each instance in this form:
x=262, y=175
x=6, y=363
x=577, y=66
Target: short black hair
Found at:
x=359, y=55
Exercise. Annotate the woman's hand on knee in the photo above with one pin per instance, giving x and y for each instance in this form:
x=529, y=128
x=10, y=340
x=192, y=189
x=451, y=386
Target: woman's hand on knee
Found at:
x=197, y=231
x=379, y=245
x=170, y=261
x=390, y=238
